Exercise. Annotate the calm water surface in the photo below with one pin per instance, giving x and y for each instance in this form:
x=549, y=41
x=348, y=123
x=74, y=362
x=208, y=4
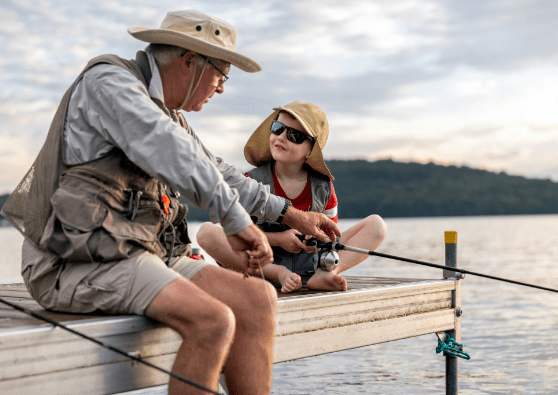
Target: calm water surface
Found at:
x=511, y=332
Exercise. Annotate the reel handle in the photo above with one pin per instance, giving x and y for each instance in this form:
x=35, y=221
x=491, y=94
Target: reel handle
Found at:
x=326, y=259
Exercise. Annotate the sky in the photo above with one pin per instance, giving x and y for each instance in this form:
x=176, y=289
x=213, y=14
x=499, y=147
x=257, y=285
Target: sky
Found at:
x=462, y=82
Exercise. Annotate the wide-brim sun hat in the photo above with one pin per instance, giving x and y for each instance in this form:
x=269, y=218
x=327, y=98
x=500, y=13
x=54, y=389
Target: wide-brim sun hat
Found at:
x=198, y=32
x=257, y=150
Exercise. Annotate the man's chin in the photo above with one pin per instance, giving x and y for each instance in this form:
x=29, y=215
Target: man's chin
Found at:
x=198, y=107
x=193, y=109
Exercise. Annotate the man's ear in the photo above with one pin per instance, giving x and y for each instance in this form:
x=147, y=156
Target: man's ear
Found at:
x=187, y=59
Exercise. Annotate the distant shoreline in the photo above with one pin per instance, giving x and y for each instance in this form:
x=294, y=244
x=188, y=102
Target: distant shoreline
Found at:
x=413, y=190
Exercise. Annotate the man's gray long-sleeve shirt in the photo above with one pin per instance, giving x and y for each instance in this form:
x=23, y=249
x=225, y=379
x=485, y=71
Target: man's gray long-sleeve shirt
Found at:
x=111, y=108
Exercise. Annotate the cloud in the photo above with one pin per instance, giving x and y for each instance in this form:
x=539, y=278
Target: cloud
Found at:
x=448, y=81
x=501, y=35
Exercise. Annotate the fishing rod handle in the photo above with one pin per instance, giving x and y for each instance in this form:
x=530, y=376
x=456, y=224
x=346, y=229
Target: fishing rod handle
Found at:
x=310, y=242
x=353, y=249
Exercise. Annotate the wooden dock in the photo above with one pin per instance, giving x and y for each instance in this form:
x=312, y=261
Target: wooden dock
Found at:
x=36, y=358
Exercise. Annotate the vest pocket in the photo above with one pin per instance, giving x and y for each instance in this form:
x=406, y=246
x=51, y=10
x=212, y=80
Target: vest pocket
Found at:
x=71, y=225
x=90, y=226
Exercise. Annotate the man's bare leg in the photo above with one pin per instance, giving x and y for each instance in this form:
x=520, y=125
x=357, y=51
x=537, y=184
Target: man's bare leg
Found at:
x=249, y=366
x=205, y=324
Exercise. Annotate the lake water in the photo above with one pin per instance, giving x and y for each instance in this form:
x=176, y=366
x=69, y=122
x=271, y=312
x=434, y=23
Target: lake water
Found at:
x=511, y=332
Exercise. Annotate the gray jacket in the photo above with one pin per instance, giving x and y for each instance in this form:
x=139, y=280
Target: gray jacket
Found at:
x=93, y=128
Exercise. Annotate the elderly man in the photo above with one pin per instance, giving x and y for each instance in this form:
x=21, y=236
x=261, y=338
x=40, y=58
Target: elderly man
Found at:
x=102, y=224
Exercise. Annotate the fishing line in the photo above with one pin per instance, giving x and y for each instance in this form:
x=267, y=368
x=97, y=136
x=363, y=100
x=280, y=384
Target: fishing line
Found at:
x=338, y=247
x=246, y=275
x=453, y=269
x=109, y=347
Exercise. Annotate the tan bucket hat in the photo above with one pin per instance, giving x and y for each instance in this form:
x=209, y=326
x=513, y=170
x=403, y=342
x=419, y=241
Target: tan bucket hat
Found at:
x=199, y=32
x=314, y=122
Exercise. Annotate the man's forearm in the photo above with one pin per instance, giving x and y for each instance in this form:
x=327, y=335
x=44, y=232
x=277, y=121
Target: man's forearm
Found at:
x=255, y=197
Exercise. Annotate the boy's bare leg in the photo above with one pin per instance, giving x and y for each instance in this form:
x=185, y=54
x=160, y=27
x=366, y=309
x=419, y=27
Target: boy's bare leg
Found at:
x=212, y=239
x=249, y=366
x=326, y=281
x=367, y=234
x=280, y=274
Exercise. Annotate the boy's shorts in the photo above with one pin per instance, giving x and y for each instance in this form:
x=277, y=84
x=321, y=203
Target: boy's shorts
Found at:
x=121, y=287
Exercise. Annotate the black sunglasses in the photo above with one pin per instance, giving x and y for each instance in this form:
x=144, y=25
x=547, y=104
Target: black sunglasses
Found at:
x=293, y=135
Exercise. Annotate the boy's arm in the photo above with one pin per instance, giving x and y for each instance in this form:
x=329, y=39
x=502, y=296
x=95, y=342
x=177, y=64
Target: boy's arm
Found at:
x=288, y=241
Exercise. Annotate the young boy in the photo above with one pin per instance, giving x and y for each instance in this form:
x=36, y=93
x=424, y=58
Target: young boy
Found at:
x=287, y=152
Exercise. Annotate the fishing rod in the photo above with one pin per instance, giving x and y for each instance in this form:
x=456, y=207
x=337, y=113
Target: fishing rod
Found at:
x=108, y=346
x=327, y=261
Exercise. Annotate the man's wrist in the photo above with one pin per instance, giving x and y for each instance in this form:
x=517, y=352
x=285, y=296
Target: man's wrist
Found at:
x=284, y=211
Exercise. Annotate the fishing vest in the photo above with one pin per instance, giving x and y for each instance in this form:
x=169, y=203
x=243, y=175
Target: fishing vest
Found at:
x=102, y=210
x=301, y=263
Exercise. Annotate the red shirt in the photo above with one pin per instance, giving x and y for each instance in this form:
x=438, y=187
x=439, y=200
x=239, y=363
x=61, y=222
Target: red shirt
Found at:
x=303, y=201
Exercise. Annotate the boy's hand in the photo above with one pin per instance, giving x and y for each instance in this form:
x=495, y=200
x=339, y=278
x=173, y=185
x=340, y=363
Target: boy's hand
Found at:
x=313, y=224
x=252, y=247
x=288, y=241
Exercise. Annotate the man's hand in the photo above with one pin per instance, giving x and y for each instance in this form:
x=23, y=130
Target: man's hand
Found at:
x=252, y=247
x=313, y=224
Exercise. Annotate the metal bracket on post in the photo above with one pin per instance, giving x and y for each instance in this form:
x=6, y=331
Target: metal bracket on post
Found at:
x=448, y=345
x=451, y=360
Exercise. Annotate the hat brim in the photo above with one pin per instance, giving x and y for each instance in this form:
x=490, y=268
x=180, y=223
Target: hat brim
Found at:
x=171, y=37
x=257, y=150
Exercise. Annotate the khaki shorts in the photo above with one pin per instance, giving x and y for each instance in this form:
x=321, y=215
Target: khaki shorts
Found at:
x=121, y=287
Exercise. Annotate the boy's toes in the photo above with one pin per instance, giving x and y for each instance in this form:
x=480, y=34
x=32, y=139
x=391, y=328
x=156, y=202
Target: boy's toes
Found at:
x=285, y=289
x=327, y=281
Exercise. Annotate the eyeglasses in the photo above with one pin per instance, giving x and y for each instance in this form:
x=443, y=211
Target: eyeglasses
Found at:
x=225, y=77
x=293, y=135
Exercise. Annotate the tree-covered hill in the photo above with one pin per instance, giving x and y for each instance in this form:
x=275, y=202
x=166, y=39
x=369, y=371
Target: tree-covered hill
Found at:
x=394, y=189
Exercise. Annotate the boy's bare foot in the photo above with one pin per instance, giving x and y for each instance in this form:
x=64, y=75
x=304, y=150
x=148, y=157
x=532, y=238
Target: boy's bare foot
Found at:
x=327, y=281
x=289, y=281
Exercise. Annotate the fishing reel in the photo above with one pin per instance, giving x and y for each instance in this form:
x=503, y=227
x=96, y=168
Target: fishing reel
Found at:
x=325, y=254
x=327, y=260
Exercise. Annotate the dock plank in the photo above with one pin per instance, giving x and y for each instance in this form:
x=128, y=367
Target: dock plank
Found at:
x=36, y=357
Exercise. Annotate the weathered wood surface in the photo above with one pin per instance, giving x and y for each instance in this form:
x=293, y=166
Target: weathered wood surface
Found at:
x=37, y=358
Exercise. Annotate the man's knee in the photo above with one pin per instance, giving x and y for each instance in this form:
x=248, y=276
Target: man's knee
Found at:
x=261, y=300
x=216, y=326
x=196, y=316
